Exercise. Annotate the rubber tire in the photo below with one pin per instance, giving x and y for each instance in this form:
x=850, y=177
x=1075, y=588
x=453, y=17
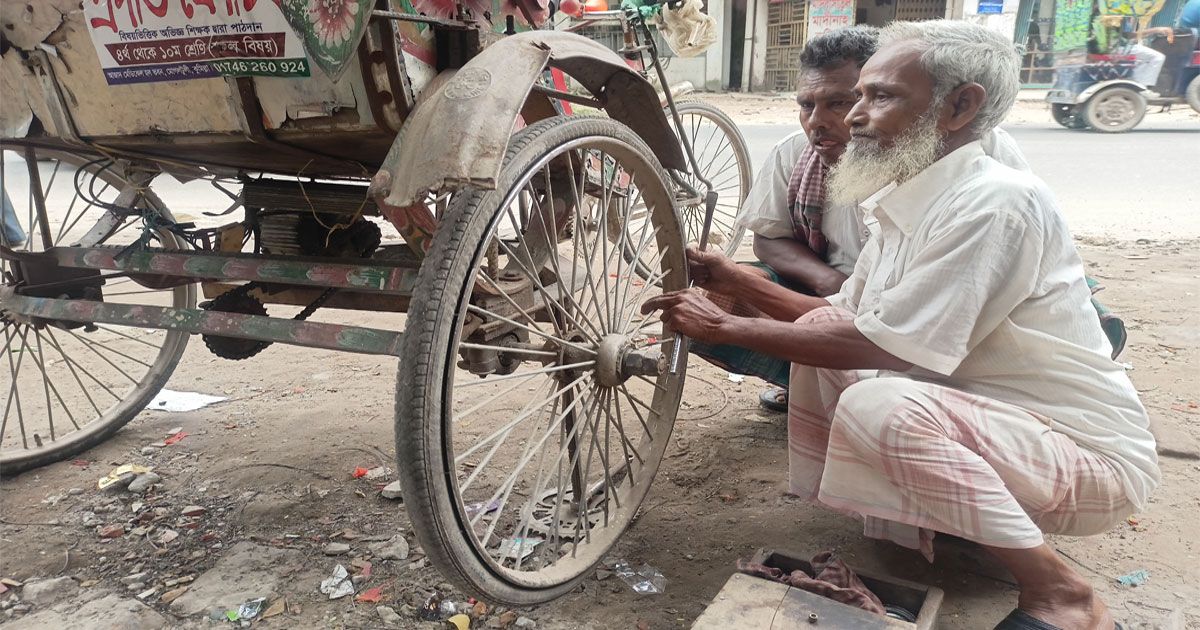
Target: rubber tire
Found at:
x=1068, y=116
x=90, y=436
x=1192, y=94
x=730, y=128
x=1092, y=115
x=420, y=451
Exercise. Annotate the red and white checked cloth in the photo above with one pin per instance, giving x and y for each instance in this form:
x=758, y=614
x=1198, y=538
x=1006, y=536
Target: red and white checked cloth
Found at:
x=913, y=458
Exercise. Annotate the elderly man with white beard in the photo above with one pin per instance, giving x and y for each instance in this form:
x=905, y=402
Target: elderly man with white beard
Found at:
x=960, y=381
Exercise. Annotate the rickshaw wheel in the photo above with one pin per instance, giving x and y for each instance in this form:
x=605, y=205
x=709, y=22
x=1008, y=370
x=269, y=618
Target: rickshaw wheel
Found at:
x=72, y=386
x=724, y=160
x=1193, y=93
x=1115, y=109
x=521, y=471
x=1068, y=116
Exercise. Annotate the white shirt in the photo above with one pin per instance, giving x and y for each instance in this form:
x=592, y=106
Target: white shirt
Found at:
x=765, y=211
x=972, y=276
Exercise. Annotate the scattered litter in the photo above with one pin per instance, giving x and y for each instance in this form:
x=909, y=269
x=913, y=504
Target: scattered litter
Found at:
x=112, y=531
x=278, y=608
x=336, y=549
x=646, y=580
x=338, y=585
x=437, y=608
x=250, y=609
x=1128, y=366
x=175, y=438
x=392, y=491
x=363, y=566
x=82, y=463
x=736, y=378
x=121, y=476
x=519, y=548
x=472, y=509
x=460, y=622
x=377, y=473
x=1137, y=578
x=167, y=537
x=359, y=472
x=193, y=510
x=370, y=596
x=173, y=401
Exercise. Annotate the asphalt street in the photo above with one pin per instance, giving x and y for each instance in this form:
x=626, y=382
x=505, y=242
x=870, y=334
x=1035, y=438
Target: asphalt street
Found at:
x=1140, y=184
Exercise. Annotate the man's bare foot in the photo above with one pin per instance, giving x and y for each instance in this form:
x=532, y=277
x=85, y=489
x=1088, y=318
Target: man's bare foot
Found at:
x=1053, y=592
x=1071, y=606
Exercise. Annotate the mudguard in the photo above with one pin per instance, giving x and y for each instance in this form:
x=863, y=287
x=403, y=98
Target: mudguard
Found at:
x=459, y=130
x=1093, y=89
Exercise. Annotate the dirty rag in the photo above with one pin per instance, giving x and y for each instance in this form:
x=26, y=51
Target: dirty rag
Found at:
x=833, y=580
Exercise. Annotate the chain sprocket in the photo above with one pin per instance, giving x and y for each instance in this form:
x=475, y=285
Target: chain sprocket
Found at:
x=240, y=301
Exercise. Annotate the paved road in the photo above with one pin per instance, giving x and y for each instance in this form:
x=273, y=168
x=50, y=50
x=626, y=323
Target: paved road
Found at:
x=1141, y=184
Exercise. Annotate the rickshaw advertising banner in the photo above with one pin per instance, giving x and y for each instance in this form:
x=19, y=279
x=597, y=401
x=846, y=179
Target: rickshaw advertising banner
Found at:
x=141, y=41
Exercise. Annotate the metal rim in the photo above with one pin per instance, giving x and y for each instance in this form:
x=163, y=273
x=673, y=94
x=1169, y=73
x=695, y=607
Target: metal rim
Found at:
x=716, y=151
x=71, y=385
x=592, y=321
x=1115, y=109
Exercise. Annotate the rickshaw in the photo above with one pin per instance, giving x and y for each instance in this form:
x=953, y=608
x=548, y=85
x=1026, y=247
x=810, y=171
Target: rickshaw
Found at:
x=371, y=160
x=1098, y=91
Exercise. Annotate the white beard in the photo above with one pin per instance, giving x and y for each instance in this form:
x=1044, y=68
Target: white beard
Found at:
x=866, y=166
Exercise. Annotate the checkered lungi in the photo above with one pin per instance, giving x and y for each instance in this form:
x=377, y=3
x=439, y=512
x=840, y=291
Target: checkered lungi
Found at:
x=913, y=458
x=735, y=358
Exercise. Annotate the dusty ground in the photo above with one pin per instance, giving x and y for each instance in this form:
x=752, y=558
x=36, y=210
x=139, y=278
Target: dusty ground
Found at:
x=271, y=470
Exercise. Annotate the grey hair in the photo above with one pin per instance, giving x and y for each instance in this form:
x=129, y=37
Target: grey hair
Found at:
x=957, y=52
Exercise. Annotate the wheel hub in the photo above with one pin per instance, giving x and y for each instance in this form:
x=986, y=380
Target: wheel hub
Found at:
x=617, y=361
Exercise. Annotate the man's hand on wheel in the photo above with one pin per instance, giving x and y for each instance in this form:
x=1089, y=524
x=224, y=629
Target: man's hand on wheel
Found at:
x=690, y=313
x=713, y=271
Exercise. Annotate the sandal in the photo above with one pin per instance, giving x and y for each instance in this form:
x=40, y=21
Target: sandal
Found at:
x=1021, y=620
x=774, y=399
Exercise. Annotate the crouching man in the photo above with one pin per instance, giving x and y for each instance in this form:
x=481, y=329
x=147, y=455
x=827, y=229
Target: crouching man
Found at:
x=959, y=382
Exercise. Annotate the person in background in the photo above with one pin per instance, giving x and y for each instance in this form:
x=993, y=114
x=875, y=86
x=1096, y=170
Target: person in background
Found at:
x=10, y=228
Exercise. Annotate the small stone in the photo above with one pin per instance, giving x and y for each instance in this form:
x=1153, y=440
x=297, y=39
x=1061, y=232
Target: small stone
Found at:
x=180, y=580
x=525, y=623
x=21, y=609
x=140, y=530
x=336, y=549
x=115, y=530
x=43, y=592
x=143, y=482
x=506, y=619
x=603, y=574
x=388, y=615
x=149, y=450
x=377, y=473
x=394, y=549
x=135, y=577
x=121, y=483
x=172, y=595
x=192, y=510
x=408, y=610
x=392, y=491
x=174, y=431
x=89, y=519
x=75, y=492
x=148, y=593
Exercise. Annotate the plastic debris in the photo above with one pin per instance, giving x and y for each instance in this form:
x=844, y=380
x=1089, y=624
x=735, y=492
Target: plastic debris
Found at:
x=1137, y=578
x=519, y=548
x=121, y=476
x=359, y=472
x=175, y=438
x=250, y=609
x=460, y=622
x=645, y=580
x=431, y=610
x=370, y=596
x=338, y=585
x=736, y=378
x=473, y=509
x=173, y=401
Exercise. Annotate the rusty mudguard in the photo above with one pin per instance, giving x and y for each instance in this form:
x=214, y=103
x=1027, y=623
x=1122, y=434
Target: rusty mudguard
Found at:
x=459, y=130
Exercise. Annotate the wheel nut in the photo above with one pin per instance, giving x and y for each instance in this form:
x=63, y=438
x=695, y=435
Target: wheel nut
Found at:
x=813, y=618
